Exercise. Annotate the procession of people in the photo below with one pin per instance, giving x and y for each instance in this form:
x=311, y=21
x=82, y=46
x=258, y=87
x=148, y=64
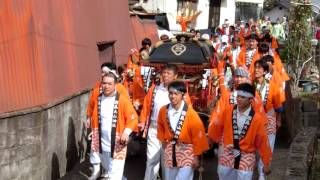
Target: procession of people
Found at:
x=250, y=95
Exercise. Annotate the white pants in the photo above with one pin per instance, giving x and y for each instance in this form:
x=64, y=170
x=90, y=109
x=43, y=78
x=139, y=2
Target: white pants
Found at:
x=113, y=167
x=184, y=173
x=227, y=173
x=272, y=139
x=220, y=150
x=153, y=154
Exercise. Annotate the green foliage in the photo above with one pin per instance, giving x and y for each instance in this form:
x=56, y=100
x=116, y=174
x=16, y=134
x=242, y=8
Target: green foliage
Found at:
x=299, y=37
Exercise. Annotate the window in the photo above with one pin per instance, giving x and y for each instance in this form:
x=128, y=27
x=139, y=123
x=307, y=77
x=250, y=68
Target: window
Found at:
x=106, y=52
x=245, y=11
x=214, y=13
x=188, y=7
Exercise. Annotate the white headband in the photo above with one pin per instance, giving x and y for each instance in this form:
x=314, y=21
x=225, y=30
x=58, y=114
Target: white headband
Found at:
x=244, y=94
x=175, y=90
x=105, y=69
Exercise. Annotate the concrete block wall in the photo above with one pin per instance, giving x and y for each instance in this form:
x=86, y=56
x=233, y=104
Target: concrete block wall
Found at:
x=43, y=142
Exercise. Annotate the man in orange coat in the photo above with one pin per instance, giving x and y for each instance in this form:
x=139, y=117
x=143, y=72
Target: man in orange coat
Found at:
x=156, y=97
x=182, y=135
x=248, y=54
x=97, y=89
x=267, y=37
x=270, y=93
x=274, y=75
x=134, y=81
x=113, y=120
x=228, y=97
x=277, y=66
x=244, y=133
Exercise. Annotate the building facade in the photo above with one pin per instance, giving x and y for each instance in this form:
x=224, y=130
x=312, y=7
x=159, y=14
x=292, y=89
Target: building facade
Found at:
x=213, y=12
x=50, y=50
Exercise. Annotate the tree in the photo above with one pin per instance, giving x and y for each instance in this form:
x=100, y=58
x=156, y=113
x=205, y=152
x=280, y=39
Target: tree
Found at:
x=298, y=45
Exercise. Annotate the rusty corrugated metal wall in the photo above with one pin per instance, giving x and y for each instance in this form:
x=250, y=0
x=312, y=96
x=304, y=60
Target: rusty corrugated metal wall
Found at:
x=142, y=28
x=48, y=49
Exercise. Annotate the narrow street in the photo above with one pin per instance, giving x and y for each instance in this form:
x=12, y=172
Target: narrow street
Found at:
x=135, y=79
x=135, y=166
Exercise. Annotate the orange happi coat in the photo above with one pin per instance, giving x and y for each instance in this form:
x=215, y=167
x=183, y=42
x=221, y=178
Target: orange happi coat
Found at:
x=276, y=96
x=242, y=59
x=256, y=139
x=252, y=32
x=226, y=96
x=278, y=65
x=234, y=59
x=146, y=108
x=225, y=54
x=242, y=37
x=136, y=92
x=134, y=66
x=274, y=43
x=272, y=102
x=136, y=86
x=192, y=132
x=127, y=118
x=95, y=93
x=278, y=80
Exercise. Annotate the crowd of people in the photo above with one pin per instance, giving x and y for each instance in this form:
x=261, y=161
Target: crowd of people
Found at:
x=277, y=29
x=243, y=121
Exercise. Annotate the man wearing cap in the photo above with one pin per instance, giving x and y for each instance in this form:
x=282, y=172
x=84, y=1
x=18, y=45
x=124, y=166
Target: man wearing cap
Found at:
x=156, y=97
x=244, y=134
x=270, y=93
x=182, y=135
x=113, y=120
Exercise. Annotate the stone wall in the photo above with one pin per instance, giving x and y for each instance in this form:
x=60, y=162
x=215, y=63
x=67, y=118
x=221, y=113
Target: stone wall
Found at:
x=43, y=142
x=302, y=157
x=299, y=113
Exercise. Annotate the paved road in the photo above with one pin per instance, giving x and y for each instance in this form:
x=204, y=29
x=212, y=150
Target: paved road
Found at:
x=135, y=166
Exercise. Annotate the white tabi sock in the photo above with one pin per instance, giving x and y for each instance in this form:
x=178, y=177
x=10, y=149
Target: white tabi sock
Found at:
x=96, y=168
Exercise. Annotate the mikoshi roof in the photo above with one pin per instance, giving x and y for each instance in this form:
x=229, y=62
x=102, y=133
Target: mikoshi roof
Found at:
x=183, y=49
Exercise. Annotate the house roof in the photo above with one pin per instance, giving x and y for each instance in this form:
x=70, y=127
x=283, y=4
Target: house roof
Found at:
x=317, y=3
x=250, y=1
x=285, y=3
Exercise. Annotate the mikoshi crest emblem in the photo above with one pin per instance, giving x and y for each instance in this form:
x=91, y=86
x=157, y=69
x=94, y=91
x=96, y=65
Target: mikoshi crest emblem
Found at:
x=178, y=49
